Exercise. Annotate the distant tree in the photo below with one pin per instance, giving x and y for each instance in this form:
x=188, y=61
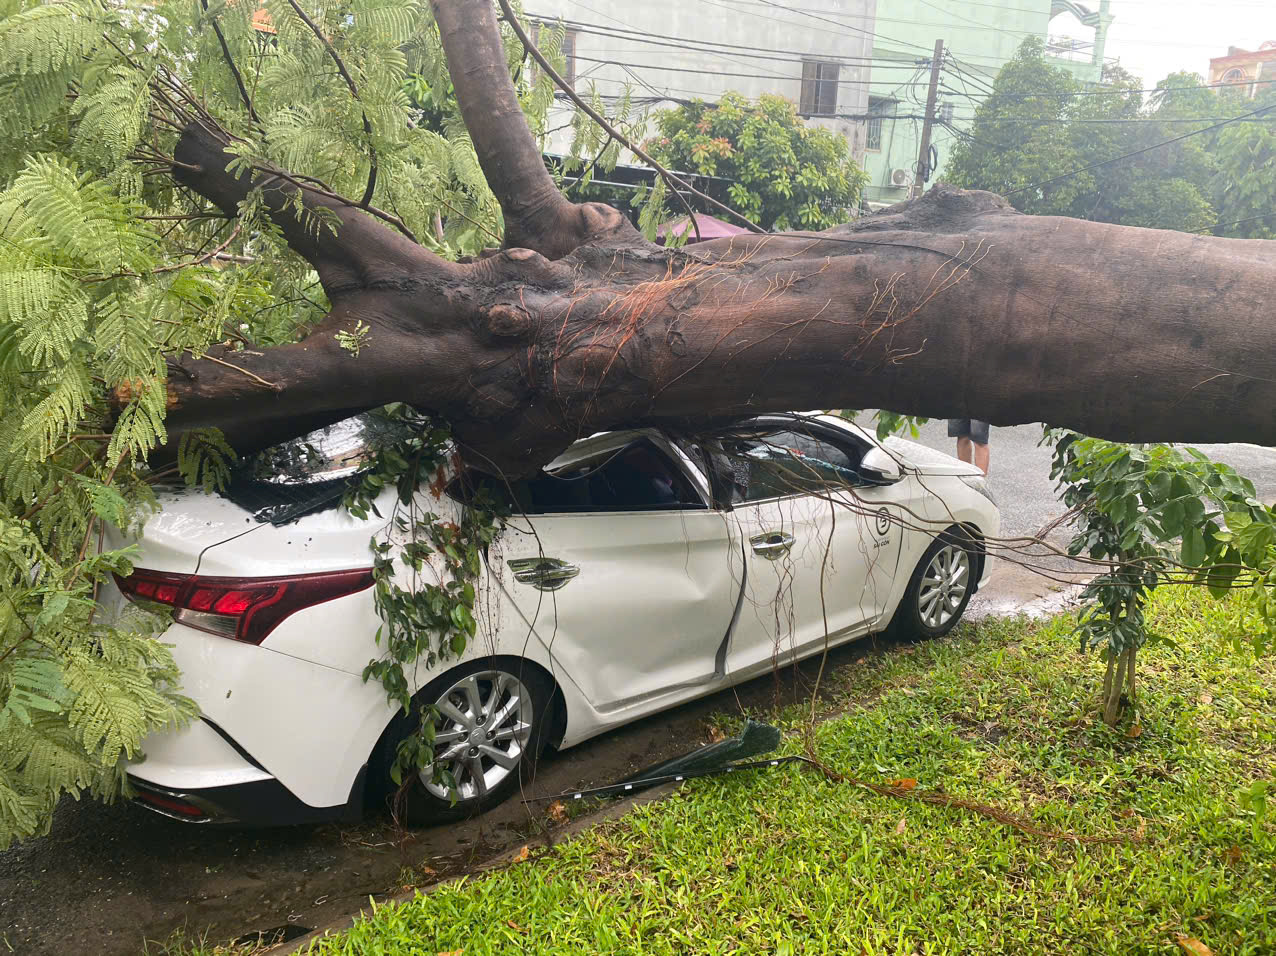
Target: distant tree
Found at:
x=1020, y=136
x=1040, y=124
x=785, y=174
x=1245, y=183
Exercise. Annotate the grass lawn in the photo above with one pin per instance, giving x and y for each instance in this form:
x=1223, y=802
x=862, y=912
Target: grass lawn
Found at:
x=785, y=861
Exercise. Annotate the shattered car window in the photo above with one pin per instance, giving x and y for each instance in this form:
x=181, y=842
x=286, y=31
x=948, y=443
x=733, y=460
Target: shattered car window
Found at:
x=334, y=451
x=312, y=473
x=785, y=463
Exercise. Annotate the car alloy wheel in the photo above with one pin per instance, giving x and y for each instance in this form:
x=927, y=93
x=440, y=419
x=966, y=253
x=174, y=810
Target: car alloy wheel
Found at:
x=945, y=583
x=481, y=734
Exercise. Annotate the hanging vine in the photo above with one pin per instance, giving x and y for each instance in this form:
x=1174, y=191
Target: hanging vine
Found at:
x=428, y=613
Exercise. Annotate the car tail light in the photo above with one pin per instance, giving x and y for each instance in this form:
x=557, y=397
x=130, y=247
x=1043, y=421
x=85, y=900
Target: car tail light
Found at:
x=243, y=609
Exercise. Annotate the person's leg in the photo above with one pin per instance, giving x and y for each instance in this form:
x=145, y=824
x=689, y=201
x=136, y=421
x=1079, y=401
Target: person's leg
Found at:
x=959, y=428
x=980, y=455
x=979, y=439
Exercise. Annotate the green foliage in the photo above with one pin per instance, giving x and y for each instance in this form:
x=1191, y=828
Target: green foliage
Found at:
x=354, y=339
x=110, y=273
x=1033, y=129
x=204, y=459
x=781, y=173
x=1153, y=515
x=1246, y=179
x=77, y=691
x=433, y=617
x=784, y=860
x=1019, y=135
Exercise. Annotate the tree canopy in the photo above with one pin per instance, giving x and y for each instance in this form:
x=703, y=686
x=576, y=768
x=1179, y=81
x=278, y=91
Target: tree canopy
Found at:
x=779, y=172
x=1040, y=125
x=110, y=270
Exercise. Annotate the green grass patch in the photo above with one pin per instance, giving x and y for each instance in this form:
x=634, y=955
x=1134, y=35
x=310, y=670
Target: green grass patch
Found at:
x=787, y=862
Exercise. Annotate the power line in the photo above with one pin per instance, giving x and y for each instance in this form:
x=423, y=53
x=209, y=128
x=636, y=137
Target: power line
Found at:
x=691, y=43
x=652, y=100
x=972, y=25
x=841, y=26
x=1119, y=92
x=1237, y=222
x=629, y=28
x=809, y=58
x=1143, y=118
x=1261, y=5
x=1138, y=152
x=751, y=76
x=1039, y=121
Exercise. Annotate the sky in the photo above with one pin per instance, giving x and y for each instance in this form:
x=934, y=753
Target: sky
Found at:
x=1153, y=38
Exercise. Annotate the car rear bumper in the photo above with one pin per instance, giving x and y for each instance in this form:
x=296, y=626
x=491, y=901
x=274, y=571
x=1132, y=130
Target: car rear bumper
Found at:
x=199, y=774
x=279, y=740
x=259, y=803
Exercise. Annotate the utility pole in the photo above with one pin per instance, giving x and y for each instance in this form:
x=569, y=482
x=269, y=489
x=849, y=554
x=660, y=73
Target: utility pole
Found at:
x=923, y=159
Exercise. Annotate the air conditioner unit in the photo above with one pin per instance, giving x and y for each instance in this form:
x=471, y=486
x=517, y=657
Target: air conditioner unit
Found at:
x=901, y=177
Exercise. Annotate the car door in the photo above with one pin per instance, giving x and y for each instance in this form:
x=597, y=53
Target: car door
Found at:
x=623, y=570
x=820, y=541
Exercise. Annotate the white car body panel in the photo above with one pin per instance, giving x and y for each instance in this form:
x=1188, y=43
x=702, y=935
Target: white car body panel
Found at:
x=197, y=753
x=649, y=609
x=643, y=627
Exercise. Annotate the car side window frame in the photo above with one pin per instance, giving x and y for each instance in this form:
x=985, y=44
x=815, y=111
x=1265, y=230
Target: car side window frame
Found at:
x=814, y=432
x=671, y=455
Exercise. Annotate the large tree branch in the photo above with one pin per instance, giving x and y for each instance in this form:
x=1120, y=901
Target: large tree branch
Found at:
x=676, y=185
x=537, y=215
x=359, y=251
x=951, y=305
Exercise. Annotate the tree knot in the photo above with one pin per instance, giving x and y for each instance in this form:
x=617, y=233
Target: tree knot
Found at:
x=506, y=320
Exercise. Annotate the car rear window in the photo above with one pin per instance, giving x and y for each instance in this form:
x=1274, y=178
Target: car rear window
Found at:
x=313, y=472
x=339, y=450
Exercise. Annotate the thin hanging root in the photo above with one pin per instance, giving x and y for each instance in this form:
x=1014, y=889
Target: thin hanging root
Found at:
x=982, y=809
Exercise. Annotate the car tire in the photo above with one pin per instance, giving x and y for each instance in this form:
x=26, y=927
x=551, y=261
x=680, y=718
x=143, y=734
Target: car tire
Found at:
x=939, y=589
x=487, y=768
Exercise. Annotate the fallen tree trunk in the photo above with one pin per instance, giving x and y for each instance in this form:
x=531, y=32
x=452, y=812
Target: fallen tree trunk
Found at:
x=951, y=305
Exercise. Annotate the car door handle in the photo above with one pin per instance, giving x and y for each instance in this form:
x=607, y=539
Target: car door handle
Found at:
x=544, y=574
x=771, y=544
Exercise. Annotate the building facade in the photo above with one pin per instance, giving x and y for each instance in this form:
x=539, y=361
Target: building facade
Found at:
x=1247, y=70
x=979, y=37
x=666, y=52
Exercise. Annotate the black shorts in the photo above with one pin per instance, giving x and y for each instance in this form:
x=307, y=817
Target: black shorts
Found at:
x=971, y=428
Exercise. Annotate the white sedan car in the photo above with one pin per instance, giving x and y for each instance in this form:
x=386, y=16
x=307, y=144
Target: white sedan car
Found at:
x=638, y=572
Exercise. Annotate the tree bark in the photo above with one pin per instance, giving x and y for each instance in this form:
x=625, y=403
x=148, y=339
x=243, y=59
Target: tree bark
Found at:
x=950, y=305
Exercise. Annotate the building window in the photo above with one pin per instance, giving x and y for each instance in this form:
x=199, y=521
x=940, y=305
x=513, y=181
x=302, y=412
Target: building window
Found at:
x=567, y=48
x=1234, y=76
x=879, y=107
x=819, y=87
